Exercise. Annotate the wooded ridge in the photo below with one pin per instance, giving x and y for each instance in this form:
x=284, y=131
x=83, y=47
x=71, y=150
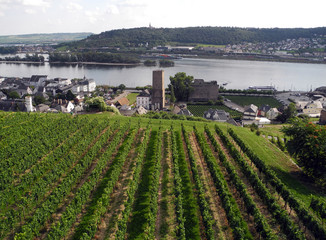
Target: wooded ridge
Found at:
x=193, y=35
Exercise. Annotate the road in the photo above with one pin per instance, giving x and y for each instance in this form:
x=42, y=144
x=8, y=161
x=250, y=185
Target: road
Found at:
x=122, y=95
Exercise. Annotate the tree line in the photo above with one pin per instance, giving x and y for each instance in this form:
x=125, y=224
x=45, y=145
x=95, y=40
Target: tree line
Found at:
x=92, y=57
x=28, y=58
x=8, y=50
x=149, y=37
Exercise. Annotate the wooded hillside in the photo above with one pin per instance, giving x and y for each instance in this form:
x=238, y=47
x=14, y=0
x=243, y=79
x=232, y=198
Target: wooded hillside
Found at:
x=194, y=35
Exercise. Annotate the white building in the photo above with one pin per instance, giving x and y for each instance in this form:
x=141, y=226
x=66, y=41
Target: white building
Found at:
x=88, y=85
x=143, y=100
x=272, y=113
x=312, y=109
x=62, y=81
x=250, y=112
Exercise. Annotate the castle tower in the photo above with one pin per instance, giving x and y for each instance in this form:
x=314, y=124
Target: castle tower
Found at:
x=158, y=91
x=28, y=104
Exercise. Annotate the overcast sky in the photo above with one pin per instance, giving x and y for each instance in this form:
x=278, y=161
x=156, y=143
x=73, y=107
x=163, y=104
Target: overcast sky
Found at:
x=52, y=16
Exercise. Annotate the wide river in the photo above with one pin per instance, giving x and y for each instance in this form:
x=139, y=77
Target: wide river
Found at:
x=238, y=74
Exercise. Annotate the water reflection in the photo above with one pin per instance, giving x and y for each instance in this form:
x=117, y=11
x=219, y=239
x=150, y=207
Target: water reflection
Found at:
x=237, y=74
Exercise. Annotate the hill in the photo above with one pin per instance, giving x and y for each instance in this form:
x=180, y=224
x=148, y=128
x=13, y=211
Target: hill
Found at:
x=111, y=177
x=42, y=38
x=193, y=35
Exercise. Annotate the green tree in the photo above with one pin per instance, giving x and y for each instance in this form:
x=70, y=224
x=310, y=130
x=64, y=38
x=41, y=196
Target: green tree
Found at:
x=181, y=84
x=308, y=144
x=39, y=99
x=122, y=87
x=288, y=113
x=70, y=96
x=95, y=104
x=172, y=98
x=13, y=95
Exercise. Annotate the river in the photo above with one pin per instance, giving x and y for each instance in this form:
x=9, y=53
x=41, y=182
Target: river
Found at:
x=237, y=74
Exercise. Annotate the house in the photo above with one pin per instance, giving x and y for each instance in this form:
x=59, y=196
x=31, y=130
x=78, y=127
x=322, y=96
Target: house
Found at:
x=76, y=87
x=272, y=113
x=141, y=110
x=13, y=106
x=37, y=80
x=185, y=112
x=62, y=81
x=176, y=109
x=23, y=90
x=250, y=112
x=3, y=96
x=144, y=99
x=122, y=101
x=11, y=83
x=51, y=87
x=263, y=109
x=17, y=105
x=40, y=89
x=216, y=115
x=312, y=108
x=125, y=107
x=64, y=106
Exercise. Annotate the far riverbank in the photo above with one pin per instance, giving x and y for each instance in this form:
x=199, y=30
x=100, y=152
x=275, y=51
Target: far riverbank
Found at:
x=74, y=63
x=259, y=58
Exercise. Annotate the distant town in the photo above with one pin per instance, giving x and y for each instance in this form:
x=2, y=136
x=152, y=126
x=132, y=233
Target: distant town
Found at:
x=206, y=99
x=296, y=49
x=309, y=48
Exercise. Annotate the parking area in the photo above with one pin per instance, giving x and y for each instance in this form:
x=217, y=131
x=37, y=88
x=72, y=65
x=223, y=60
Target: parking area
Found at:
x=284, y=97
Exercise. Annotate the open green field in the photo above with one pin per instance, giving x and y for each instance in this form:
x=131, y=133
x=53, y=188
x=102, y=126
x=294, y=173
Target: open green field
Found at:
x=273, y=130
x=198, y=110
x=42, y=38
x=258, y=101
x=101, y=176
x=132, y=98
x=210, y=45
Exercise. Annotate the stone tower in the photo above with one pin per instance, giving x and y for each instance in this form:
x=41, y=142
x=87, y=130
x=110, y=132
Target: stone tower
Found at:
x=158, y=91
x=28, y=104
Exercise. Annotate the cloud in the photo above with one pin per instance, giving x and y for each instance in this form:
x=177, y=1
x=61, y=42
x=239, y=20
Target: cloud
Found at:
x=93, y=15
x=36, y=3
x=134, y=3
x=112, y=9
x=3, y=6
x=30, y=11
x=74, y=7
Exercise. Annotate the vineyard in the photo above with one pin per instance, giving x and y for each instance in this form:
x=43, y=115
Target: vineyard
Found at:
x=112, y=177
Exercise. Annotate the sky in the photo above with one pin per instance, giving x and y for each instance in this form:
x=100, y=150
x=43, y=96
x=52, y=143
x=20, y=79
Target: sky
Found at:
x=54, y=16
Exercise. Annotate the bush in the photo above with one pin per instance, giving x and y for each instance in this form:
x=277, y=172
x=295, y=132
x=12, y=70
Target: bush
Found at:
x=308, y=143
